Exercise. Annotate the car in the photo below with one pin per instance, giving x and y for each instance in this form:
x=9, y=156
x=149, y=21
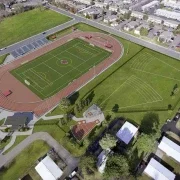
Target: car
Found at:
x=73, y=173
x=3, y=49
x=44, y=33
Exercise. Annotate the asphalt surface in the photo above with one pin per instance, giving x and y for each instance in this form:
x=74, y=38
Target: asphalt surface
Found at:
x=38, y=36
x=59, y=149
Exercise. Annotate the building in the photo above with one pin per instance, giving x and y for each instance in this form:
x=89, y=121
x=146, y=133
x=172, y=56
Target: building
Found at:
x=113, y=8
x=150, y=5
x=88, y=2
x=157, y=171
x=137, y=14
x=99, y=4
x=16, y=122
x=170, y=148
x=123, y=11
x=138, y=29
x=110, y=18
x=154, y=19
x=166, y=37
x=48, y=170
x=131, y=25
x=92, y=11
x=171, y=23
x=172, y=4
x=102, y=158
x=168, y=14
x=114, y=24
x=127, y=132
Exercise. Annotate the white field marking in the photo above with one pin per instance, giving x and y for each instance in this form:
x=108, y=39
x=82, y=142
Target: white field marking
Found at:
x=75, y=76
x=74, y=55
x=75, y=68
x=153, y=90
x=147, y=88
x=81, y=48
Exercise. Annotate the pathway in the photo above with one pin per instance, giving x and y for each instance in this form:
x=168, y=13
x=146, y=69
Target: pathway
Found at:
x=61, y=151
x=52, y=117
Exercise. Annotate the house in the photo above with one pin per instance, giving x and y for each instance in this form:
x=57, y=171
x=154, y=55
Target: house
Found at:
x=172, y=4
x=131, y=25
x=110, y=18
x=88, y=2
x=138, y=29
x=99, y=4
x=123, y=11
x=166, y=37
x=113, y=8
x=171, y=23
x=157, y=171
x=48, y=170
x=168, y=14
x=102, y=158
x=114, y=24
x=92, y=11
x=16, y=122
x=170, y=148
x=150, y=5
x=154, y=19
x=137, y=14
x=127, y=132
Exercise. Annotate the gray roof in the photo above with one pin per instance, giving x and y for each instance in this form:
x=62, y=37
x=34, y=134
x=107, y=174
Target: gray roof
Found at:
x=16, y=121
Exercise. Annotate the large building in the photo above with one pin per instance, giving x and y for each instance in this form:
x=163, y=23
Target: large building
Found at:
x=150, y=5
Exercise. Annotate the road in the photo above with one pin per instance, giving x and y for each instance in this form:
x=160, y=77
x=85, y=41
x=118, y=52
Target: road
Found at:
x=38, y=36
x=61, y=151
x=124, y=35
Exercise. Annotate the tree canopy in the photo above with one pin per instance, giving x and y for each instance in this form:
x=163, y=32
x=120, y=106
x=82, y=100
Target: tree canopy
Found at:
x=108, y=141
x=116, y=166
x=143, y=31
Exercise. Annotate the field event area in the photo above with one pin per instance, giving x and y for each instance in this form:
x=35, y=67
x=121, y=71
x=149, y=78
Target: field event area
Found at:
x=51, y=72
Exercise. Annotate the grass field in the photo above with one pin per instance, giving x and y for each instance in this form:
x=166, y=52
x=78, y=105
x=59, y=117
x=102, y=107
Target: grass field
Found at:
x=2, y=58
x=47, y=75
x=23, y=162
x=24, y=25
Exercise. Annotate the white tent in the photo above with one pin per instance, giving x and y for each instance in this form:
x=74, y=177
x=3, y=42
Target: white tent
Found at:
x=170, y=148
x=127, y=132
x=48, y=170
x=158, y=172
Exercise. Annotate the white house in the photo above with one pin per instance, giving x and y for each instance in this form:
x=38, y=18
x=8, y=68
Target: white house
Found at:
x=170, y=148
x=123, y=11
x=150, y=5
x=113, y=8
x=168, y=14
x=131, y=25
x=172, y=4
x=99, y=4
x=154, y=19
x=138, y=29
x=102, y=158
x=157, y=171
x=110, y=18
x=166, y=36
x=171, y=23
x=137, y=14
x=127, y=132
x=114, y=24
x=92, y=11
x=88, y=2
x=48, y=170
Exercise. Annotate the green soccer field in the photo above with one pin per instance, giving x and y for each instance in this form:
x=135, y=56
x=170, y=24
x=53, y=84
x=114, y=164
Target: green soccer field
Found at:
x=51, y=72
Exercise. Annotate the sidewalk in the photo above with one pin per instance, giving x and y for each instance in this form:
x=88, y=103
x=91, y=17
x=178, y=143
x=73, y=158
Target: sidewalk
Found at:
x=52, y=117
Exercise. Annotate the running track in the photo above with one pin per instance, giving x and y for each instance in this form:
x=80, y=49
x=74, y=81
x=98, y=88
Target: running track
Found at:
x=23, y=99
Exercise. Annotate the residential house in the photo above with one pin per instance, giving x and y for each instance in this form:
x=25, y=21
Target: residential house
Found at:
x=123, y=11
x=131, y=25
x=114, y=24
x=110, y=18
x=157, y=171
x=102, y=158
x=150, y=5
x=138, y=29
x=92, y=11
x=171, y=23
x=154, y=19
x=127, y=132
x=168, y=14
x=170, y=148
x=48, y=169
x=113, y=8
x=99, y=4
x=16, y=122
x=137, y=14
x=88, y=2
x=166, y=37
x=172, y=4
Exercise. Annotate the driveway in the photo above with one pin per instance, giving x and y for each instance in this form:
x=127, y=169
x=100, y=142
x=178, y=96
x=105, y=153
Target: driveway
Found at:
x=61, y=151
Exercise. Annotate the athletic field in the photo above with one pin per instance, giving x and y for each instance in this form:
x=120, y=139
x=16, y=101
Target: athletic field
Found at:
x=54, y=70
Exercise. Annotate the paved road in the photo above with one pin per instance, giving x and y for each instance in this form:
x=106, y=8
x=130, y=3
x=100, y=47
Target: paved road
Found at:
x=62, y=152
x=38, y=36
x=124, y=35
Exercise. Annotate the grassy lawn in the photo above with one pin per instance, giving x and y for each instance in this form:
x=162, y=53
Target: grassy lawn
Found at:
x=48, y=75
x=24, y=25
x=2, y=58
x=5, y=142
x=23, y=162
x=18, y=140
x=2, y=121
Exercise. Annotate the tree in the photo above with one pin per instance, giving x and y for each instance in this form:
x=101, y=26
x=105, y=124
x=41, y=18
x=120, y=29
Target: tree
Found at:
x=64, y=104
x=133, y=19
x=127, y=15
x=151, y=25
x=143, y=31
x=145, y=17
x=18, y=8
x=108, y=141
x=115, y=108
x=2, y=7
x=116, y=166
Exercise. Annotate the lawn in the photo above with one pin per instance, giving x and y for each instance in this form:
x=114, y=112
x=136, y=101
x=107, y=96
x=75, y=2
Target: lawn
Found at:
x=2, y=58
x=24, y=25
x=48, y=75
x=23, y=162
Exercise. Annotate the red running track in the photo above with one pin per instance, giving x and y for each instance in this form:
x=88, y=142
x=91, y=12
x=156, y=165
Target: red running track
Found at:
x=23, y=99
